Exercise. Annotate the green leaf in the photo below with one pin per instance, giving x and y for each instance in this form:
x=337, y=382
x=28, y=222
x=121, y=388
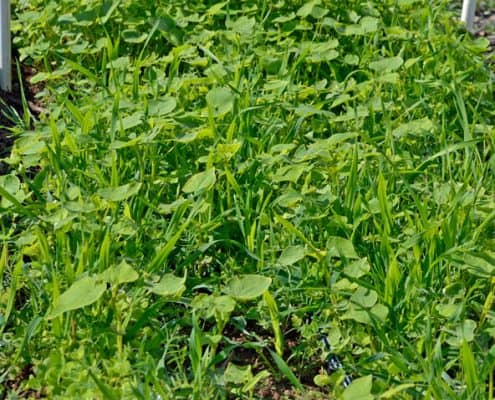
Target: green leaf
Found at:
x=386, y=64
x=220, y=101
x=200, y=181
x=12, y=186
x=81, y=293
x=243, y=25
x=119, y=274
x=359, y=389
x=291, y=255
x=133, y=36
x=393, y=392
x=286, y=371
x=119, y=193
x=132, y=121
x=369, y=24
x=307, y=8
x=237, y=374
x=247, y=287
x=211, y=305
x=357, y=269
x=364, y=297
x=341, y=247
x=163, y=106
x=289, y=173
x=169, y=286
x=418, y=127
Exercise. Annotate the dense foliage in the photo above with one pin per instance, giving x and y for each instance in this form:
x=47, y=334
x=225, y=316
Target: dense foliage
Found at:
x=218, y=185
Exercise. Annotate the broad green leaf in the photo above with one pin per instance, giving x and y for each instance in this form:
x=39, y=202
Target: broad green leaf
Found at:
x=386, y=64
x=247, y=287
x=81, y=293
x=163, y=106
x=200, y=181
x=359, y=389
x=132, y=121
x=211, y=305
x=243, y=25
x=369, y=24
x=120, y=193
x=289, y=173
x=322, y=380
x=307, y=8
x=119, y=63
x=419, y=127
x=341, y=247
x=118, y=274
x=237, y=374
x=220, y=101
x=351, y=59
x=357, y=313
x=358, y=268
x=169, y=286
x=364, y=297
x=291, y=255
x=11, y=185
x=133, y=36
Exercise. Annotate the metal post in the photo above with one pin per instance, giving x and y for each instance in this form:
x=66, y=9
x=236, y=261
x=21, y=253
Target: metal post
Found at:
x=467, y=16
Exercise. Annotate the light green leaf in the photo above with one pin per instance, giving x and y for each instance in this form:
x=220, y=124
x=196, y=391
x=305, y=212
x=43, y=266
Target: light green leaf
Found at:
x=132, y=121
x=307, y=8
x=247, y=287
x=237, y=374
x=211, y=305
x=162, y=106
x=359, y=389
x=200, y=181
x=393, y=392
x=169, y=286
x=418, y=127
x=118, y=274
x=81, y=293
x=364, y=297
x=12, y=185
x=243, y=26
x=341, y=247
x=289, y=173
x=388, y=64
x=291, y=255
x=220, y=101
x=120, y=193
x=369, y=24
x=358, y=268
x=133, y=36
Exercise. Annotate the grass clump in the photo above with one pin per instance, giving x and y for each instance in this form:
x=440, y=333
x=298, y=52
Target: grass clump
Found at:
x=218, y=186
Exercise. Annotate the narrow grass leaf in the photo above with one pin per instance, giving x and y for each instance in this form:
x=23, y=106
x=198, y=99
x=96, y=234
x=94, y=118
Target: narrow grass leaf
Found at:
x=286, y=371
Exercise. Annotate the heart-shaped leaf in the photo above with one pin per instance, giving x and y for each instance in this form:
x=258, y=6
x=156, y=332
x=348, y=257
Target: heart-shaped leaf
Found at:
x=81, y=293
x=119, y=193
x=220, y=101
x=247, y=287
x=200, y=181
x=291, y=255
x=169, y=286
x=119, y=274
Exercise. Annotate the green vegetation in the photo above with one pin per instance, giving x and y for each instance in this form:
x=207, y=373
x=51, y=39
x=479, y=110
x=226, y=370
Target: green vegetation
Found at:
x=217, y=185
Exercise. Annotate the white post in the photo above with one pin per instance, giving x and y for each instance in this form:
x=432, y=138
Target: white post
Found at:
x=5, y=49
x=468, y=9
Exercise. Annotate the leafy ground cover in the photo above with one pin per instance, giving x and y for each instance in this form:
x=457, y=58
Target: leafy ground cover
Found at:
x=249, y=200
